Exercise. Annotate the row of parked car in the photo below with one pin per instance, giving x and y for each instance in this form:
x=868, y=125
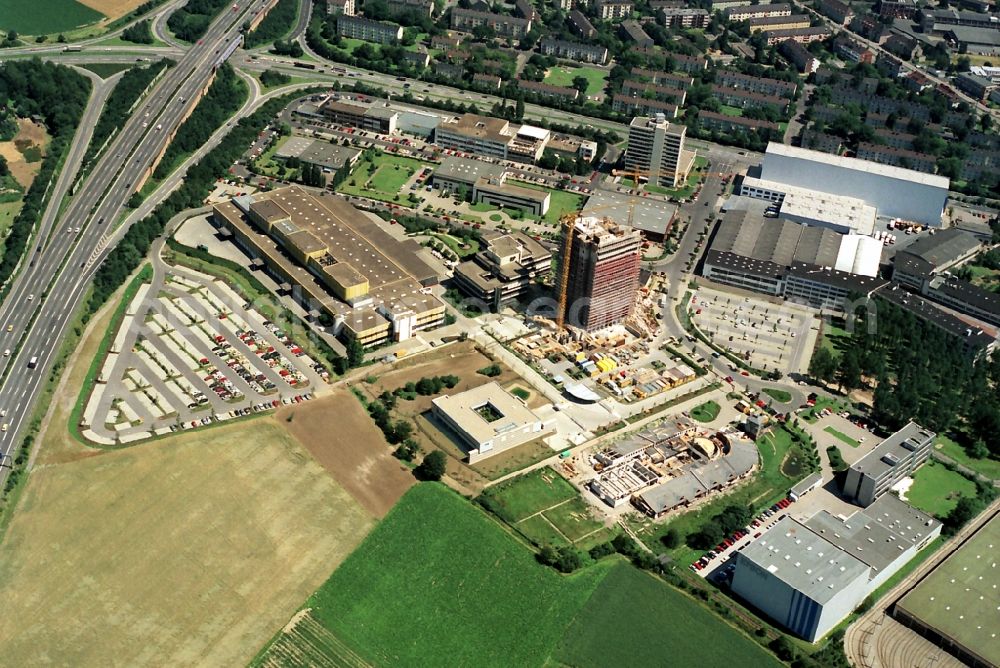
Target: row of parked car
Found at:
x=759, y=524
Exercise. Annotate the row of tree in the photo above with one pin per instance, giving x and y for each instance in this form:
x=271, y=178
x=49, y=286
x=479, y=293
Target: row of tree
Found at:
x=222, y=100
x=129, y=88
x=279, y=22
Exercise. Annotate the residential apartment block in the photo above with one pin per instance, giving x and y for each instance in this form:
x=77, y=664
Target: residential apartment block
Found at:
x=610, y=10
x=584, y=53
x=581, y=25
x=685, y=17
x=632, y=31
x=501, y=24
x=358, y=27
x=763, y=85
x=641, y=106
x=791, y=22
x=836, y=10
x=800, y=35
x=709, y=120
x=757, y=11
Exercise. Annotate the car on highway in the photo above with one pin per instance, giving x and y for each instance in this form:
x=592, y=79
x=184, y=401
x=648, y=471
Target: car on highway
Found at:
x=31, y=297
x=4, y=427
x=10, y=328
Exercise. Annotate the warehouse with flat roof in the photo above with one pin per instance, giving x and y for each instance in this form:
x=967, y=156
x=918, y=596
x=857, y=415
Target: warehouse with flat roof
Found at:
x=808, y=576
x=895, y=192
x=336, y=260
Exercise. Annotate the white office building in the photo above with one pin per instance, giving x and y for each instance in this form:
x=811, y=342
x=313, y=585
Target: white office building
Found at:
x=656, y=149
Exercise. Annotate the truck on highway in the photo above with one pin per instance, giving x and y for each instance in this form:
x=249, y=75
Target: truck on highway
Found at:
x=33, y=362
x=73, y=48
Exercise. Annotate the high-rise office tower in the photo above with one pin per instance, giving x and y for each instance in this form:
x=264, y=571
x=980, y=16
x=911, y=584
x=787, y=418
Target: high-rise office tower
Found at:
x=656, y=147
x=603, y=273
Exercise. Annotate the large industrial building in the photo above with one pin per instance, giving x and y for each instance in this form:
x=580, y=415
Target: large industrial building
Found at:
x=603, y=273
x=807, y=576
x=895, y=192
x=488, y=420
x=337, y=261
x=895, y=458
x=782, y=258
x=656, y=150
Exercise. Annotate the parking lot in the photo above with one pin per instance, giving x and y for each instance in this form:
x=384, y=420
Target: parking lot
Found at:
x=768, y=336
x=189, y=354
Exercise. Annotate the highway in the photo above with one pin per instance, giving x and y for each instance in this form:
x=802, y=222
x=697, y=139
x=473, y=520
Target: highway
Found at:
x=56, y=271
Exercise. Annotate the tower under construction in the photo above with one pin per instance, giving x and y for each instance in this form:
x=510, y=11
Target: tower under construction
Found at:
x=603, y=273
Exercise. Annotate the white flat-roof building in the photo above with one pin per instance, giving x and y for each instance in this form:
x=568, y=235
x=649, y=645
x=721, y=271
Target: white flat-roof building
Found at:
x=807, y=576
x=895, y=192
x=488, y=419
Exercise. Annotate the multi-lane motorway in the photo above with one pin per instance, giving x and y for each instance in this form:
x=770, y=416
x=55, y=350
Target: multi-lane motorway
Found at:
x=55, y=272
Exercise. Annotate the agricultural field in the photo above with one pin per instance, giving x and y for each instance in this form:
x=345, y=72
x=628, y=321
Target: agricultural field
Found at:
x=438, y=583
x=340, y=435
x=563, y=76
x=187, y=550
x=386, y=183
x=937, y=489
x=633, y=619
x=31, y=17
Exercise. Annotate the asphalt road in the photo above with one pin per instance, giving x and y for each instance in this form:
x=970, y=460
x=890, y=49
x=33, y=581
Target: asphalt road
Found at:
x=49, y=289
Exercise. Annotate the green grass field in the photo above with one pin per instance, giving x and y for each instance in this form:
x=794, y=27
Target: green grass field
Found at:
x=726, y=110
x=560, y=202
x=705, y=412
x=105, y=70
x=439, y=584
x=946, y=446
x=936, y=489
x=842, y=437
x=635, y=620
x=781, y=396
x=31, y=17
x=563, y=76
x=528, y=494
x=386, y=183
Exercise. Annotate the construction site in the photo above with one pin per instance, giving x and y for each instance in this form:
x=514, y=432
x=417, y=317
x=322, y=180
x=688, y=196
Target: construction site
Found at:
x=669, y=465
x=599, y=340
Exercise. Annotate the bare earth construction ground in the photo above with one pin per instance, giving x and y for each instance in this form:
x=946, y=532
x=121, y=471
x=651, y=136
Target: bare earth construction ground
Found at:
x=187, y=550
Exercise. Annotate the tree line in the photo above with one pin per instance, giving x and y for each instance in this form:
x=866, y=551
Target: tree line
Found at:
x=919, y=372
x=57, y=95
x=222, y=100
x=118, y=107
x=191, y=21
x=278, y=22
